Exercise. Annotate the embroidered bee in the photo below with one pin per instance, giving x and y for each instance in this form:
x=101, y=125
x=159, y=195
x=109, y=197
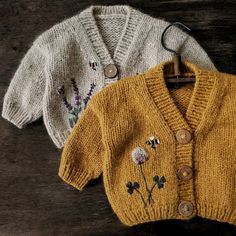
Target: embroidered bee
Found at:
x=93, y=65
x=153, y=142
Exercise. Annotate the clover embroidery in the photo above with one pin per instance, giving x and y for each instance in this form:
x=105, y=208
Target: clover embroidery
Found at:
x=131, y=187
x=139, y=157
x=159, y=181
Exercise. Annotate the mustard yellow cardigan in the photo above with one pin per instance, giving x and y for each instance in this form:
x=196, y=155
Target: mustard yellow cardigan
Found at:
x=165, y=152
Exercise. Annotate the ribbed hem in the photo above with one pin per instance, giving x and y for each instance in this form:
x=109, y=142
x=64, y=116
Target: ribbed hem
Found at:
x=130, y=217
x=216, y=212
x=76, y=177
x=15, y=115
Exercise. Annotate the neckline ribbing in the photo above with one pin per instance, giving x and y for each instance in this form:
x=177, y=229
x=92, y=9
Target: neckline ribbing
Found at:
x=133, y=20
x=206, y=92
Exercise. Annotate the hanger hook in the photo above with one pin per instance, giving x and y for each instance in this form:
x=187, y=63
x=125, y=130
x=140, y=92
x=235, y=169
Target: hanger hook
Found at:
x=163, y=34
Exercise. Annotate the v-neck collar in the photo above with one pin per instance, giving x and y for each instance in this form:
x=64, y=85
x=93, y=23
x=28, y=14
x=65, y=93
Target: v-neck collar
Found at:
x=206, y=92
x=88, y=20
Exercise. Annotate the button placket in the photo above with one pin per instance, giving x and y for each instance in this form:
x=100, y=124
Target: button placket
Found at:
x=111, y=71
x=184, y=172
x=183, y=136
x=185, y=208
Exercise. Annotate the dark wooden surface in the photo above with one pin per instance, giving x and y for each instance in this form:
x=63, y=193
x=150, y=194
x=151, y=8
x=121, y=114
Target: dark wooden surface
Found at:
x=33, y=200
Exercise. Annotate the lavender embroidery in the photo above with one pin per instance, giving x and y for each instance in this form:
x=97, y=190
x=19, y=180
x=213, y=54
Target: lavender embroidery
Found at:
x=74, y=111
x=89, y=94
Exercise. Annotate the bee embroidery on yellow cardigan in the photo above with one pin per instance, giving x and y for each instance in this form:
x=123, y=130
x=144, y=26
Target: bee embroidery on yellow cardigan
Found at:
x=153, y=142
x=77, y=108
x=140, y=156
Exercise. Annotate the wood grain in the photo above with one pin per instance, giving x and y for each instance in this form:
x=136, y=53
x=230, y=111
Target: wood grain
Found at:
x=33, y=200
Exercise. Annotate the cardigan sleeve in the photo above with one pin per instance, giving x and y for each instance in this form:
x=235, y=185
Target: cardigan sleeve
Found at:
x=191, y=50
x=82, y=156
x=188, y=47
x=24, y=97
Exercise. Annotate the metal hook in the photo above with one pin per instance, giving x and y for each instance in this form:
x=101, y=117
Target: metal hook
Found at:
x=163, y=34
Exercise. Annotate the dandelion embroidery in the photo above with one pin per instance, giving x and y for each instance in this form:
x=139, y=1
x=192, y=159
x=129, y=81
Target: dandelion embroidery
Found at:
x=74, y=111
x=139, y=157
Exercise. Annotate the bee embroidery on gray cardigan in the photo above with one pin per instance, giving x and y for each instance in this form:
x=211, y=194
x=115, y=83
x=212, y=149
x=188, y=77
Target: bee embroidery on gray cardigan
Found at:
x=93, y=65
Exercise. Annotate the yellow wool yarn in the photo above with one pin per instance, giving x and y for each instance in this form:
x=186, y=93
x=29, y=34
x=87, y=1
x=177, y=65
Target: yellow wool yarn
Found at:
x=164, y=152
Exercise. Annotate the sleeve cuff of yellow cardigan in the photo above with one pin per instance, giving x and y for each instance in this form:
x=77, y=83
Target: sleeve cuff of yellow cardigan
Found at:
x=77, y=178
x=16, y=116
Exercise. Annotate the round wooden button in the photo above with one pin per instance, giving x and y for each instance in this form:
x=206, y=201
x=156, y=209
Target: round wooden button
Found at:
x=183, y=136
x=111, y=71
x=185, y=208
x=185, y=173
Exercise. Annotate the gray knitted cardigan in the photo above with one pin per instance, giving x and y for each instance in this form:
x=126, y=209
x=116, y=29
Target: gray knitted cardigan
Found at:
x=76, y=58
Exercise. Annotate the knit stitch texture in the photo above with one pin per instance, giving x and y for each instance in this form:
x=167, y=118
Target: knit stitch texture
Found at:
x=133, y=142
x=79, y=49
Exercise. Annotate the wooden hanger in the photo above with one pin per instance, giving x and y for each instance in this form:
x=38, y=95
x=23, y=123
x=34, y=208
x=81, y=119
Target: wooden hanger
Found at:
x=179, y=76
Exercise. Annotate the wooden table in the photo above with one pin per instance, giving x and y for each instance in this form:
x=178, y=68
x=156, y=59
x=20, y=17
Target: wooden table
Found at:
x=33, y=200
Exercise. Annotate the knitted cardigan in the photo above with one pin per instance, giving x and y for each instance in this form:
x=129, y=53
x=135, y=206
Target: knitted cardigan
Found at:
x=72, y=57
x=165, y=153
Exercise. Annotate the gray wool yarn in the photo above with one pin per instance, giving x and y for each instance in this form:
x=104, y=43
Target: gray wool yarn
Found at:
x=79, y=49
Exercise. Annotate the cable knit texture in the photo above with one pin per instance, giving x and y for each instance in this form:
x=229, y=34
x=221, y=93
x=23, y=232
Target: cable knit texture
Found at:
x=80, y=48
x=134, y=141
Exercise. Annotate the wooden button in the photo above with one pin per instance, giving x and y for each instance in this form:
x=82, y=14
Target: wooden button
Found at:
x=183, y=136
x=185, y=208
x=111, y=71
x=185, y=173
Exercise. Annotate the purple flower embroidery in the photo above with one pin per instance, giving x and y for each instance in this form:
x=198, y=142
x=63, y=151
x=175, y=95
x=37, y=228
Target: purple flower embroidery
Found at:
x=76, y=109
x=61, y=91
x=89, y=94
x=76, y=92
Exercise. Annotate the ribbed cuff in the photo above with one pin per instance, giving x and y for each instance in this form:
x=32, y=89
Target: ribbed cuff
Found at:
x=78, y=178
x=59, y=138
x=16, y=116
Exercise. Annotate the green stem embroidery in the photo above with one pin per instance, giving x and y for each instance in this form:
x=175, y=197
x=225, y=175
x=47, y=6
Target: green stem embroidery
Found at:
x=145, y=181
x=150, y=193
x=145, y=204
